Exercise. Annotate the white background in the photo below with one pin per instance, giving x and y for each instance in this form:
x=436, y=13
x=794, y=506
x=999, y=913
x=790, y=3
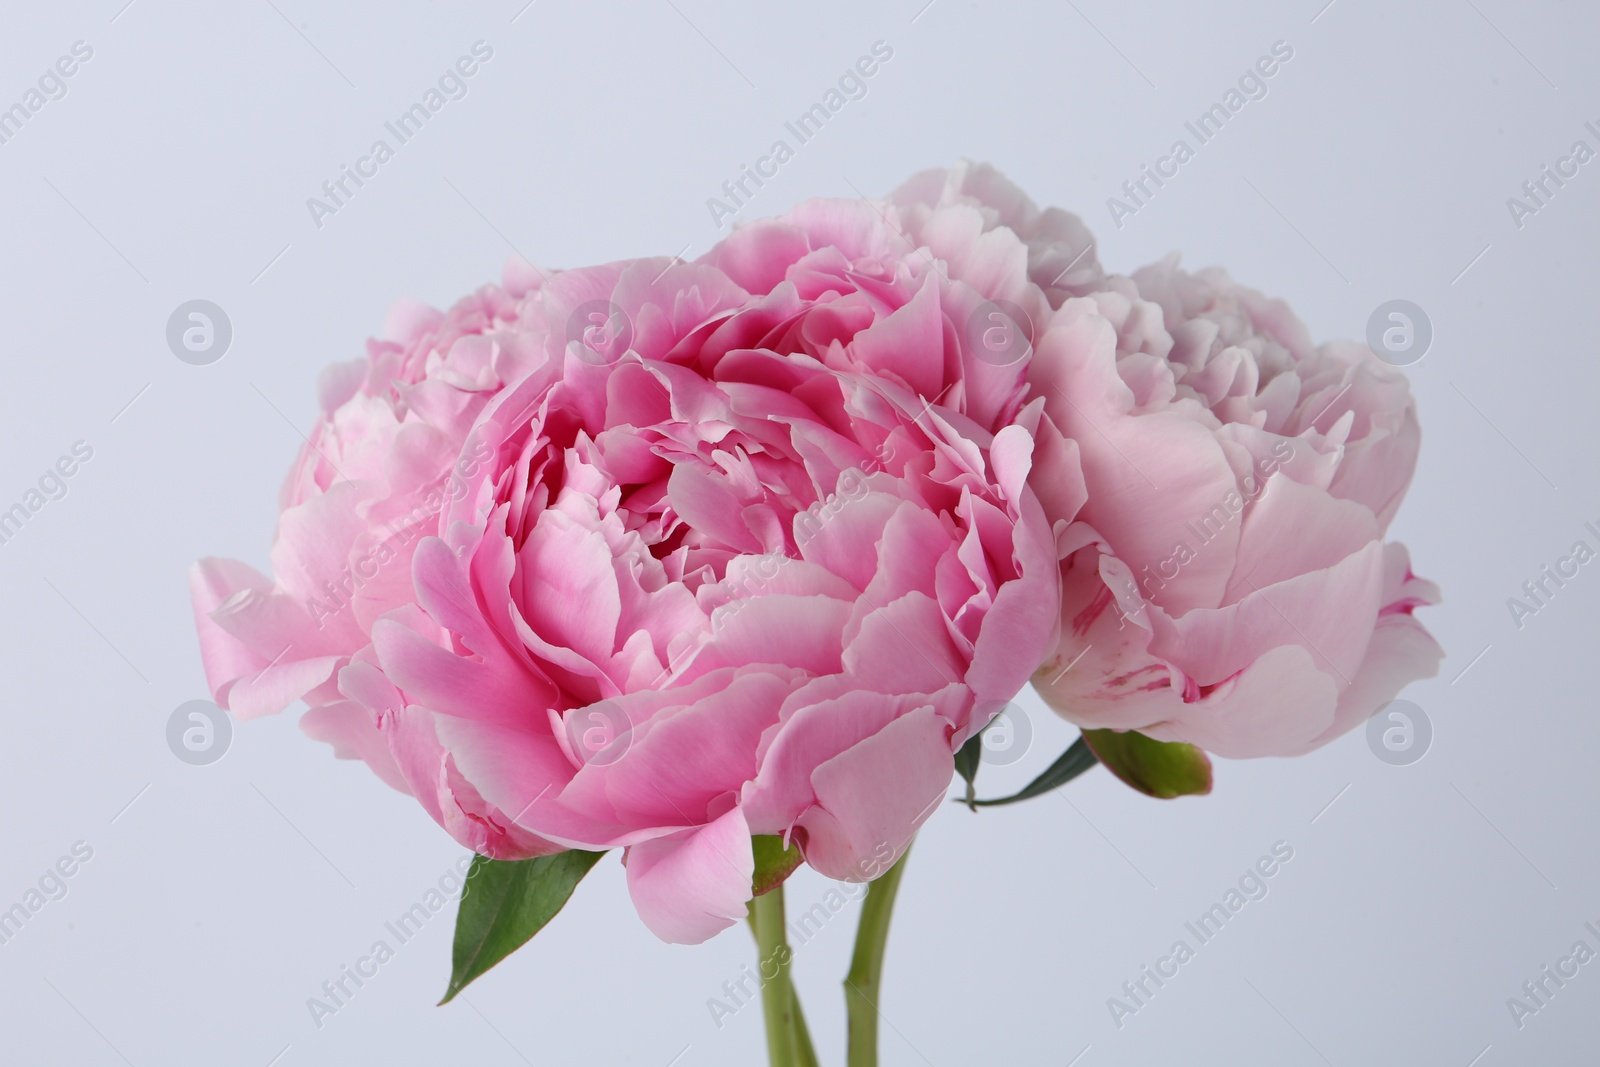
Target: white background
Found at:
x=1378, y=167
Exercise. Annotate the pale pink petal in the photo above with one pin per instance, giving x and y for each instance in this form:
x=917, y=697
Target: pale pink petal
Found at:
x=872, y=798
x=353, y=733
x=692, y=886
x=1244, y=717
x=1294, y=529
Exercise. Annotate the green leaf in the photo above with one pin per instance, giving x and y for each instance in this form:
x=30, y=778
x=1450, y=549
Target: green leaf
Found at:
x=967, y=758
x=1162, y=769
x=1071, y=763
x=505, y=903
x=774, y=863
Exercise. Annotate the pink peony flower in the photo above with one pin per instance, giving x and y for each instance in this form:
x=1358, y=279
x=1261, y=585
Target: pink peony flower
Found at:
x=659, y=556
x=1220, y=490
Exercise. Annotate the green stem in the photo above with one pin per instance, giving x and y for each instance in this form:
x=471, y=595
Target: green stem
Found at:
x=778, y=1002
x=805, y=1055
x=866, y=966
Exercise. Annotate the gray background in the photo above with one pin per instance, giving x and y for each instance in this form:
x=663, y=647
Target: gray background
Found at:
x=177, y=167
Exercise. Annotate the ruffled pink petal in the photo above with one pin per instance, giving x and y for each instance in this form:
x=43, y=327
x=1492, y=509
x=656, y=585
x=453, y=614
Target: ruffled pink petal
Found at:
x=1327, y=612
x=445, y=682
x=797, y=631
x=872, y=798
x=1147, y=476
x=511, y=769
x=212, y=582
x=691, y=886
x=350, y=729
x=1295, y=529
x=1245, y=716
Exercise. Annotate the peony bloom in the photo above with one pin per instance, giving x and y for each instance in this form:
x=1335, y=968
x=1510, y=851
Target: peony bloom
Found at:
x=1220, y=489
x=660, y=556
